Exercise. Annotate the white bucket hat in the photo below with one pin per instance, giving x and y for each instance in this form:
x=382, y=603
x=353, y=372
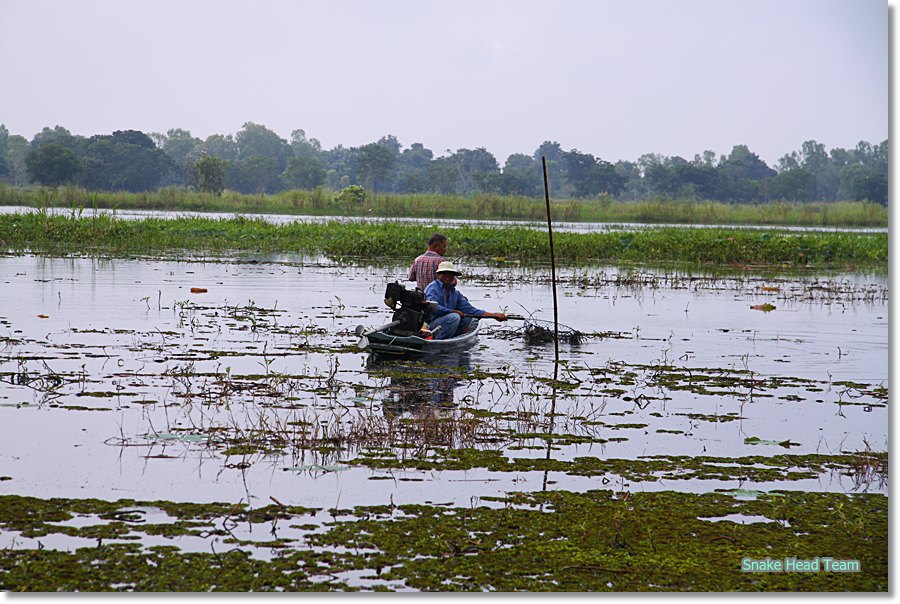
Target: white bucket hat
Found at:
x=447, y=267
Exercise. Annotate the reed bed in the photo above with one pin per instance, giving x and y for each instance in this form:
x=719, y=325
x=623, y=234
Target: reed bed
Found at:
x=322, y=202
x=42, y=231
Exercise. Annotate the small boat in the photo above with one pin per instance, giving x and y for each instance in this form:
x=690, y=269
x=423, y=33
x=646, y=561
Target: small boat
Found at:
x=382, y=341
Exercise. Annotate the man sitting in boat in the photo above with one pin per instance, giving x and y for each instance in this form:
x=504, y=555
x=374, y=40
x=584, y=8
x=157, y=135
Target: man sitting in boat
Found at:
x=423, y=267
x=454, y=313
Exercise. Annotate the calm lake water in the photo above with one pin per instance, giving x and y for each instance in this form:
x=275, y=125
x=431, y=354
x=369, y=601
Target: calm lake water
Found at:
x=116, y=378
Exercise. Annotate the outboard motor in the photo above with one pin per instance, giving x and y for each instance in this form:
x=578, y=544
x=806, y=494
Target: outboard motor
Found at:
x=413, y=309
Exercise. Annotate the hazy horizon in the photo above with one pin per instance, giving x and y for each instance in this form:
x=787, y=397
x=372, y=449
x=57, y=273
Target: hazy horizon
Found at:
x=613, y=79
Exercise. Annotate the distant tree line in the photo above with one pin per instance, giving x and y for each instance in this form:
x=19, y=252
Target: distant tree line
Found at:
x=257, y=160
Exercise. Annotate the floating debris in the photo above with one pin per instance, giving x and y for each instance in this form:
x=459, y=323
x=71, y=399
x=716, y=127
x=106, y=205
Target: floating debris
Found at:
x=763, y=307
x=755, y=440
x=540, y=334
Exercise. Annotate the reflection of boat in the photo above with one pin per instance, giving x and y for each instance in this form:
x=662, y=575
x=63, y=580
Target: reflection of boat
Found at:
x=381, y=341
x=408, y=395
x=432, y=387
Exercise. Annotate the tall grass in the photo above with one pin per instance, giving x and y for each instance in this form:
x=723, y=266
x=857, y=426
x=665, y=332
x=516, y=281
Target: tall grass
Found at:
x=42, y=231
x=482, y=206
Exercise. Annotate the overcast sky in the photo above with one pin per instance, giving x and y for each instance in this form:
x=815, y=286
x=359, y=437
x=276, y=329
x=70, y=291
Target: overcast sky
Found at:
x=615, y=78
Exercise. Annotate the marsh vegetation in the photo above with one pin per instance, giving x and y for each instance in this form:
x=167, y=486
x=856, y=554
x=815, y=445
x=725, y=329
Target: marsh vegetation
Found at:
x=484, y=206
x=204, y=421
x=93, y=233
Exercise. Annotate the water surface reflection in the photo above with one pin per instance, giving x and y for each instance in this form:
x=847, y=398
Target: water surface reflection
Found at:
x=430, y=384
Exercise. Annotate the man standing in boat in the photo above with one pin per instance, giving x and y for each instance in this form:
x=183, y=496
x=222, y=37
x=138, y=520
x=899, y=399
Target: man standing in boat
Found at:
x=423, y=267
x=454, y=312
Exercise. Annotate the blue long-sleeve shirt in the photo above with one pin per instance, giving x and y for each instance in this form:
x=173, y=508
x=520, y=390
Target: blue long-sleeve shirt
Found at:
x=448, y=300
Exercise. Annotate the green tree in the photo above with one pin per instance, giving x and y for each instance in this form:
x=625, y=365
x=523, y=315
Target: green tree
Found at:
x=17, y=149
x=222, y=146
x=606, y=179
x=706, y=159
x=211, y=174
x=859, y=183
x=743, y=163
x=353, y=196
x=125, y=160
x=742, y=176
x=375, y=163
x=697, y=180
x=391, y=143
x=793, y=184
x=52, y=164
x=133, y=137
x=631, y=175
x=659, y=174
x=180, y=146
x=341, y=166
x=588, y=176
x=442, y=176
x=4, y=152
x=255, y=140
x=255, y=174
x=873, y=187
x=552, y=152
x=879, y=158
x=522, y=175
x=411, y=171
x=815, y=160
x=813, y=157
x=303, y=172
x=58, y=135
x=304, y=147
x=473, y=166
x=576, y=169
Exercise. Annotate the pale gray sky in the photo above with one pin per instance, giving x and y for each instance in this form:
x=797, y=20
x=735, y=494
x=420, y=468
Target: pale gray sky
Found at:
x=616, y=78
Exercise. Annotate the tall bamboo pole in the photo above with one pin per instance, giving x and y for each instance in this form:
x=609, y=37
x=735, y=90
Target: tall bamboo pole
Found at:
x=555, y=318
x=552, y=269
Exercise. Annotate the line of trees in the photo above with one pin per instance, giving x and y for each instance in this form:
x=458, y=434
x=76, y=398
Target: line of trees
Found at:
x=257, y=160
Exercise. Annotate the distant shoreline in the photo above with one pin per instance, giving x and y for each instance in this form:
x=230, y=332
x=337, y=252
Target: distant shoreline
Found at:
x=480, y=207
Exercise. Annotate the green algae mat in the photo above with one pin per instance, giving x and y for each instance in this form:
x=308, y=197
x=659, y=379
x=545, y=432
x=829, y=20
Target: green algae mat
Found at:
x=557, y=541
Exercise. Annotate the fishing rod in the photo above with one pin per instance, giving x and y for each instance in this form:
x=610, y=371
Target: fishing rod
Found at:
x=508, y=317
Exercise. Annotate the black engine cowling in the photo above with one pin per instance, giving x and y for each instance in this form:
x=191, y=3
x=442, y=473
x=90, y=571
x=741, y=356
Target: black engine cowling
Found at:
x=413, y=309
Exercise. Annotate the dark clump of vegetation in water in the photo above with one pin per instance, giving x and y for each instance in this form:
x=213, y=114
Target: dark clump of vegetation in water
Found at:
x=535, y=333
x=547, y=541
x=42, y=231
